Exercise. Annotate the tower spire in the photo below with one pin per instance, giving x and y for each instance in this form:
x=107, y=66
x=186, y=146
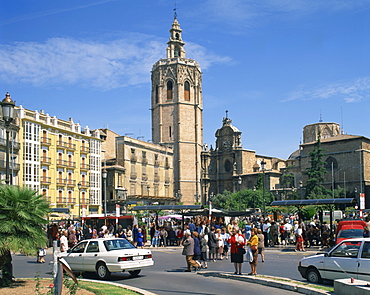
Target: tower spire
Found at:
x=175, y=46
x=175, y=12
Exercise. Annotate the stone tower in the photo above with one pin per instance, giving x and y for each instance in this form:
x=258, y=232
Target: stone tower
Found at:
x=177, y=114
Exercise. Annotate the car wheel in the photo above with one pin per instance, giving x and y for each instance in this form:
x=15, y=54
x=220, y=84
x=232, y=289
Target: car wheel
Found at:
x=134, y=273
x=313, y=276
x=102, y=271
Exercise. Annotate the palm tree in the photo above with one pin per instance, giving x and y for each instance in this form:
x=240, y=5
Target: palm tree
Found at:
x=22, y=216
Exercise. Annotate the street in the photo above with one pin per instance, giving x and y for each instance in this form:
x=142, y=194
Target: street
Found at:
x=167, y=276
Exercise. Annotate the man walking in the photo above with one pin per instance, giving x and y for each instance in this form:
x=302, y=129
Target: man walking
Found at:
x=188, y=251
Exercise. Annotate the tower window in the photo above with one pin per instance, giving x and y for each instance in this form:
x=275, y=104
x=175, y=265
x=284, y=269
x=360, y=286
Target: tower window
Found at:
x=169, y=90
x=187, y=90
x=169, y=131
x=156, y=94
x=177, y=36
x=177, y=52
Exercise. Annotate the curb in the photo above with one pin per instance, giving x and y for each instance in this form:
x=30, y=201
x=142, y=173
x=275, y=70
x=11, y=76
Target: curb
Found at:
x=286, y=285
x=134, y=289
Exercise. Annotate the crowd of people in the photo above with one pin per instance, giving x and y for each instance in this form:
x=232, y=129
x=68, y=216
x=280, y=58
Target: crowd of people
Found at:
x=204, y=241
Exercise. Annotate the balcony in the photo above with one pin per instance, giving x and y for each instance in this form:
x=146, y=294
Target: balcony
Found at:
x=61, y=163
x=45, y=141
x=84, y=166
x=84, y=149
x=71, y=164
x=85, y=184
x=133, y=158
x=156, y=178
x=144, y=177
x=60, y=200
x=156, y=163
x=45, y=160
x=12, y=166
x=85, y=201
x=16, y=145
x=45, y=180
x=61, y=181
x=70, y=200
x=71, y=146
x=144, y=161
x=71, y=182
x=133, y=175
x=62, y=144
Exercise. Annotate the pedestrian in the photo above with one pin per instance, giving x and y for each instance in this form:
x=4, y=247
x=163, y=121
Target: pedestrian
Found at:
x=220, y=244
x=140, y=239
x=225, y=237
x=237, y=243
x=188, y=251
x=261, y=244
x=41, y=255
x=212, y=244
x=64, y=241
x=203, y=250
x=129, y=234
x=155, y=240
x=253, y=244
x=196, y=246
x=299, y=239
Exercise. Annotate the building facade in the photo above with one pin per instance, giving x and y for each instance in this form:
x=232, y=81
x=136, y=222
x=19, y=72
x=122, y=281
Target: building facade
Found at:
x=60, y=161
x=137, y=171
x=229, y=167
x=177, y=119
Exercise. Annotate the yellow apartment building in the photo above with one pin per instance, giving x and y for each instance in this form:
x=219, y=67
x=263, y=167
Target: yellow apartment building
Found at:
x=61, y=161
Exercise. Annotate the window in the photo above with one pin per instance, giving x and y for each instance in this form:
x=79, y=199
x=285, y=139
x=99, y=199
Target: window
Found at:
x=169, y=131
x=177, y=52
x=347, y=249
x=80, y=248
x=169, y=90
x=156, y=94
x=366, y=250
x=187, y=90
x=93, y=247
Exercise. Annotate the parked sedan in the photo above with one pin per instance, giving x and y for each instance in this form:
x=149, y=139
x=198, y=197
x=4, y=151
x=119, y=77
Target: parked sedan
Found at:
x=348, y=259
x=107, y=255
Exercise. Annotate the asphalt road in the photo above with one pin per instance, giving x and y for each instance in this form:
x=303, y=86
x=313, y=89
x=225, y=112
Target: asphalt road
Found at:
x=167, y=276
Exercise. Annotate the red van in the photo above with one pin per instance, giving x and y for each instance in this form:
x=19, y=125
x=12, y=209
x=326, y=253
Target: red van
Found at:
x=349, y=229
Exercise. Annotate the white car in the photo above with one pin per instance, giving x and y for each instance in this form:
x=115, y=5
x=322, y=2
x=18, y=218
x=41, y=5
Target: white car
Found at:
x=348, y=259
x=107, y=255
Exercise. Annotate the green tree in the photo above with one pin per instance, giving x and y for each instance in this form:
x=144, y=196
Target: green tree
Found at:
x=314, y=188
x=22, y=216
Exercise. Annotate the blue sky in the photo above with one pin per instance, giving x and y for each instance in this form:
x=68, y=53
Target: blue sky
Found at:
x=275, y=65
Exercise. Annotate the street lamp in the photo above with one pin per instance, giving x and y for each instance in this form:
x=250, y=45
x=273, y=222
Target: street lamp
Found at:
x=79, y=185
x=7, y=106
x=263, y=168
x=240, y=185
x=104, y=174
x=148, y=188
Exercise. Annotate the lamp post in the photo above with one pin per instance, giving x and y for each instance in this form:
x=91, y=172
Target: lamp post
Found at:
x=104, y=174
x=148, y=188
x=7, y=106
x=240, y=185
x=263, y=168
x=79, y=200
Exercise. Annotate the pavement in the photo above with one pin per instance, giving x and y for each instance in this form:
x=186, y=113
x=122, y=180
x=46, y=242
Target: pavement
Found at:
x=275, y=282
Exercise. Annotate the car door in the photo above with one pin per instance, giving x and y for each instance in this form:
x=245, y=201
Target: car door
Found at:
x=75, y=256
x=364, y=262
x=91, y=256
x=342, y=262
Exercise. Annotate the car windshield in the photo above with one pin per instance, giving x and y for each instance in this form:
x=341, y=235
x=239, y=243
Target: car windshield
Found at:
x=118, y=244
x=351, y=233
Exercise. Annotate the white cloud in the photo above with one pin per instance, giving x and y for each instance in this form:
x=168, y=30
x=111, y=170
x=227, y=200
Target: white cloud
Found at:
x=127, y=60
x=348, y=91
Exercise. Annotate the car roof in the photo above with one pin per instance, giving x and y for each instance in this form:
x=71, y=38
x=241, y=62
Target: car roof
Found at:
x=103, y=239
x=358, y=239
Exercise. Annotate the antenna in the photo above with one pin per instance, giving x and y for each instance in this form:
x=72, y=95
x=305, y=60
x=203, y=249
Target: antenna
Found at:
x=175, y=12
x=226, y=112
x=320, y=117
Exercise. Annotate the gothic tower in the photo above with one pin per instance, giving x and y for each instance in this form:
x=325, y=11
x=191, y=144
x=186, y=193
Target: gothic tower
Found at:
x=177, y=114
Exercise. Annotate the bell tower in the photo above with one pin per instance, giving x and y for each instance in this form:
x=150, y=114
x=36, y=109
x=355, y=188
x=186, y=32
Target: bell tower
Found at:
x=177, y=108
